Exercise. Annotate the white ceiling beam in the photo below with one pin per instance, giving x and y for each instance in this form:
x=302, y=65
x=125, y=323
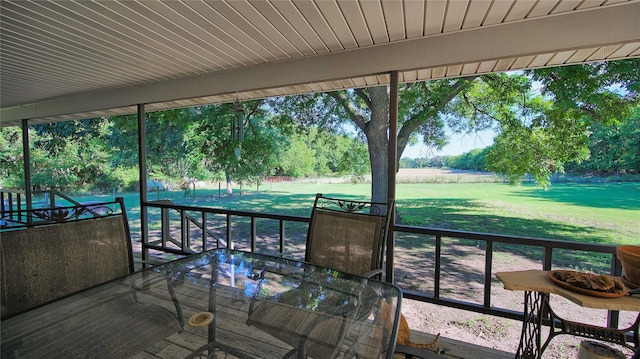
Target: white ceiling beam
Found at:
x=585, y=29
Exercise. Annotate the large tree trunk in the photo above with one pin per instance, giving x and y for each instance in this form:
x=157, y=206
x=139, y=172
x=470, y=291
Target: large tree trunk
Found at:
x=378, y=142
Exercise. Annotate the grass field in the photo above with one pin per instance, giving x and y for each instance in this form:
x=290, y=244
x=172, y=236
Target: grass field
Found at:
x=592, y=213
x=596, y=213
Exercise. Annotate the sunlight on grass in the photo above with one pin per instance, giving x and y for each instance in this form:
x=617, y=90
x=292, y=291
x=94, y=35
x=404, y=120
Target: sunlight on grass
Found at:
x=602, y=213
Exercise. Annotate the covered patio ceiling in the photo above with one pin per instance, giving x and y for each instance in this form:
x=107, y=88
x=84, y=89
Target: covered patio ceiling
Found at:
x=65, y=60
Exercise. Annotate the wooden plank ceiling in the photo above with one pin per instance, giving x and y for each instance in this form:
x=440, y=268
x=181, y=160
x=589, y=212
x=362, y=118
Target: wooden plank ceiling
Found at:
x=77, y=59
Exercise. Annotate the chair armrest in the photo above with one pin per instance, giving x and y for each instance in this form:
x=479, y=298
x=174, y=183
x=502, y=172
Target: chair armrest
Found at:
x=372, y=273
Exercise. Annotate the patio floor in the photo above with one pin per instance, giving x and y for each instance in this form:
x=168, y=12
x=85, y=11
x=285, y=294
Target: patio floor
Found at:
x=455, y=349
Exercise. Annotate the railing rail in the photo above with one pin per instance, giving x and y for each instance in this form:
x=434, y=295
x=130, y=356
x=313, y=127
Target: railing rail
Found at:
x=199, y=217
x=548, y=246
x=16, y=219
x=14, y=203
x=182, y=245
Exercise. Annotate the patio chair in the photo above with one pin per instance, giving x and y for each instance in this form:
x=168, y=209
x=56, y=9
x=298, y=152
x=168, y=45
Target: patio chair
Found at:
x=344, y=235
x=68, y=253
x=63, y=255
x=348, y=235
x=63, y=251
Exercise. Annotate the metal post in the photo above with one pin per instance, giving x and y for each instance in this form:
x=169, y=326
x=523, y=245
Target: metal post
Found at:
x=142, y=168
x=26, y=152
x=391, y=170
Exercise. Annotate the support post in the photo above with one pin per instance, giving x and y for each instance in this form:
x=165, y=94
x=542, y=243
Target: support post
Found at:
x=391, y=169
x=26, y=152
x=142, y=177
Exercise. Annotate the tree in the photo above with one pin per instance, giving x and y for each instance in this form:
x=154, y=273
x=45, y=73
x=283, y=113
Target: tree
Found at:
x=11, y=158
x=337, y=154
x=603, y=92
x=297, y=159
x=473, y=160
x=536, y=134
x=245, y=160
x=70, y=154
x=166, y=131
x=579, y=96
x=421, y=112
x=368, y=110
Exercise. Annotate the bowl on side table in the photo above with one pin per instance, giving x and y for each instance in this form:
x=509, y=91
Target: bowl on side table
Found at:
x=629, y=256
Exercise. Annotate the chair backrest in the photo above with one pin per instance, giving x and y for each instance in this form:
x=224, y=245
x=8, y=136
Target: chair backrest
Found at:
x=43, y=263
x=348, y=235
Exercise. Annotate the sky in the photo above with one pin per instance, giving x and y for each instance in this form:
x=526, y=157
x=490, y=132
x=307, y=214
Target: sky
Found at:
x=458, y=144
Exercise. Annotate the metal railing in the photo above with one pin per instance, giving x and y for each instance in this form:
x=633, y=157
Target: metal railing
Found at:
x=15, y=206
x=184, y=230
x=17, y=216
x=548, y=247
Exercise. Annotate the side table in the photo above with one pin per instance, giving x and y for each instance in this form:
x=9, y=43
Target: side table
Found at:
x=537, y=287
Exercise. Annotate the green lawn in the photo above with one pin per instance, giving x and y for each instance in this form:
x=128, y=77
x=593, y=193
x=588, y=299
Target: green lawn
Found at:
x=604, y=213
x=597, y=213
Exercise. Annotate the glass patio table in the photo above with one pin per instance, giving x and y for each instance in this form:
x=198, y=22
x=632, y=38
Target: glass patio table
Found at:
x=205, y=306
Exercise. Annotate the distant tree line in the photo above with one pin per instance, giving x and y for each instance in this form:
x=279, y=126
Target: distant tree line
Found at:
x=613, y=150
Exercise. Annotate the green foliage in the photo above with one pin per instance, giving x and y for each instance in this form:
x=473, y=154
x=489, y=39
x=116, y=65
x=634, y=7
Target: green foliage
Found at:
x=537, y=150
x=297, y=159
x=318, y=118
x=603, y=92
x=246, y=161
x=122, y=138
x=55, y=137
x=613, y=149
x=165, y=146
x=127, y=177
x=538, y=132
x=67, y=155
x=338, y=155
x=54, y=171
x=366, y=109
x=423, y=162
x=11, y=158
x=473, y=160
x=420, y=110
x=354, y=162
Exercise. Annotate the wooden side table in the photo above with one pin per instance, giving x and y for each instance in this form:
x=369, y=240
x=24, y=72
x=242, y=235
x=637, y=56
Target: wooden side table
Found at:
x=537, y=287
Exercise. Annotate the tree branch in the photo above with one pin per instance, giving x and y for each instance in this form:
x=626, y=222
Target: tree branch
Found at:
x=364, y=96
x=475, y=108
x=419, y=118
x=350, y=110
